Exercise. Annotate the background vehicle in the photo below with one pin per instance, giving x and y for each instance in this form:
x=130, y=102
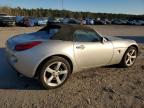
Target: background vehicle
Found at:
x=27, y=22
x=100, y=22
x=57, y=50
x=34, y=20
x=138, y=22
x=119, y=22
x=42, y=21
x=19, y=20
x=69, y=21
x=6, y=20
x=89, y=21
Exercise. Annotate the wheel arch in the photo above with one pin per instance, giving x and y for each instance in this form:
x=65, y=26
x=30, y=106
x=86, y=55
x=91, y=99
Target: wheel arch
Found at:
x=133, y=45
x=48, y=58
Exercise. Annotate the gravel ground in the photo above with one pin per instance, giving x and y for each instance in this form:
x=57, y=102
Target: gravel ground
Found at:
x=105, y=87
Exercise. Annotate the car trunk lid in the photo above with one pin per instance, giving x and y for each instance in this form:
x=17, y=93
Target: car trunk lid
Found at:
x=25, y=38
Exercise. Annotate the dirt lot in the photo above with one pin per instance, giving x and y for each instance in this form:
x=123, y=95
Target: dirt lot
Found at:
x=106, y=87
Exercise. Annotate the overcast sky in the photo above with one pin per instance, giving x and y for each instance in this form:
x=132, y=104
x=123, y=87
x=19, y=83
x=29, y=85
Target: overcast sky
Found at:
x=102, y=6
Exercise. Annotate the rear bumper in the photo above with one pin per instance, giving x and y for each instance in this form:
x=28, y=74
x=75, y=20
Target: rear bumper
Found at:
x=20, y=64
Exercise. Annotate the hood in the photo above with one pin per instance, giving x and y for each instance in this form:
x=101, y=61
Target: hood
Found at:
x=120, y=42
x=113, y=38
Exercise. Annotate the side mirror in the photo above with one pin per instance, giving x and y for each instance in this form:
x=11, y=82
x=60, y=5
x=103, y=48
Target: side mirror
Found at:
x=104, y=40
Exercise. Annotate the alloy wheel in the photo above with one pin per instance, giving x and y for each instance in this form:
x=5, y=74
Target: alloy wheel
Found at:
x=131, y=57
x=55, y=74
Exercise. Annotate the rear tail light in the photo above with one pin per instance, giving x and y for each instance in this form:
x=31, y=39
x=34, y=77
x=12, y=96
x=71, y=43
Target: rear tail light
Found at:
x=25, y=46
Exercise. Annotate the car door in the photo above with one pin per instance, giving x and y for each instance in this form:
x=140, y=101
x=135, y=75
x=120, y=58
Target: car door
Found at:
x=90, y=51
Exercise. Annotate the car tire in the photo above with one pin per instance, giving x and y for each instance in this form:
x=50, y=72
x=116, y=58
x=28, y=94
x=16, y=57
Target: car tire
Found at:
x=129, y=57
x=54, y=73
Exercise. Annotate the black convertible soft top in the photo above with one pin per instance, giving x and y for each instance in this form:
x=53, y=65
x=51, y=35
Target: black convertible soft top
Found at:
x=67, y=30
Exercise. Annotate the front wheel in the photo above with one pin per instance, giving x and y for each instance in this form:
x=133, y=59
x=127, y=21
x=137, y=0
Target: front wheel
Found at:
x=129, y=57
x=54, y=73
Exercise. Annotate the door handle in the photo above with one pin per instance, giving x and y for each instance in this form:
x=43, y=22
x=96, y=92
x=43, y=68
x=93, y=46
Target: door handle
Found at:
x=80, y=47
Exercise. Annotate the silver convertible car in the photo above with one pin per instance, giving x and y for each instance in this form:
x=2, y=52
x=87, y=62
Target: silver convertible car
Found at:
x=57, y=50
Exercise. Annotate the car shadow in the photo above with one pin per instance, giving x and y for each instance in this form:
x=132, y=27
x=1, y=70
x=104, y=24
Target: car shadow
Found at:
x=138, y=39
x=10, y=80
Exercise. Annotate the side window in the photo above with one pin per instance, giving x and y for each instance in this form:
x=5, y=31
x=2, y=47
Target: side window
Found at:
x=86, y=36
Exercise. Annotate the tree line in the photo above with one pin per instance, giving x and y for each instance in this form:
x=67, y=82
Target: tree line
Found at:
x=40, y=12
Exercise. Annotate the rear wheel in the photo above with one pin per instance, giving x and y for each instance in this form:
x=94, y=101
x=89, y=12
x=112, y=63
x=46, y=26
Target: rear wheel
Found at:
x=54, y=73
x=130, y=57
